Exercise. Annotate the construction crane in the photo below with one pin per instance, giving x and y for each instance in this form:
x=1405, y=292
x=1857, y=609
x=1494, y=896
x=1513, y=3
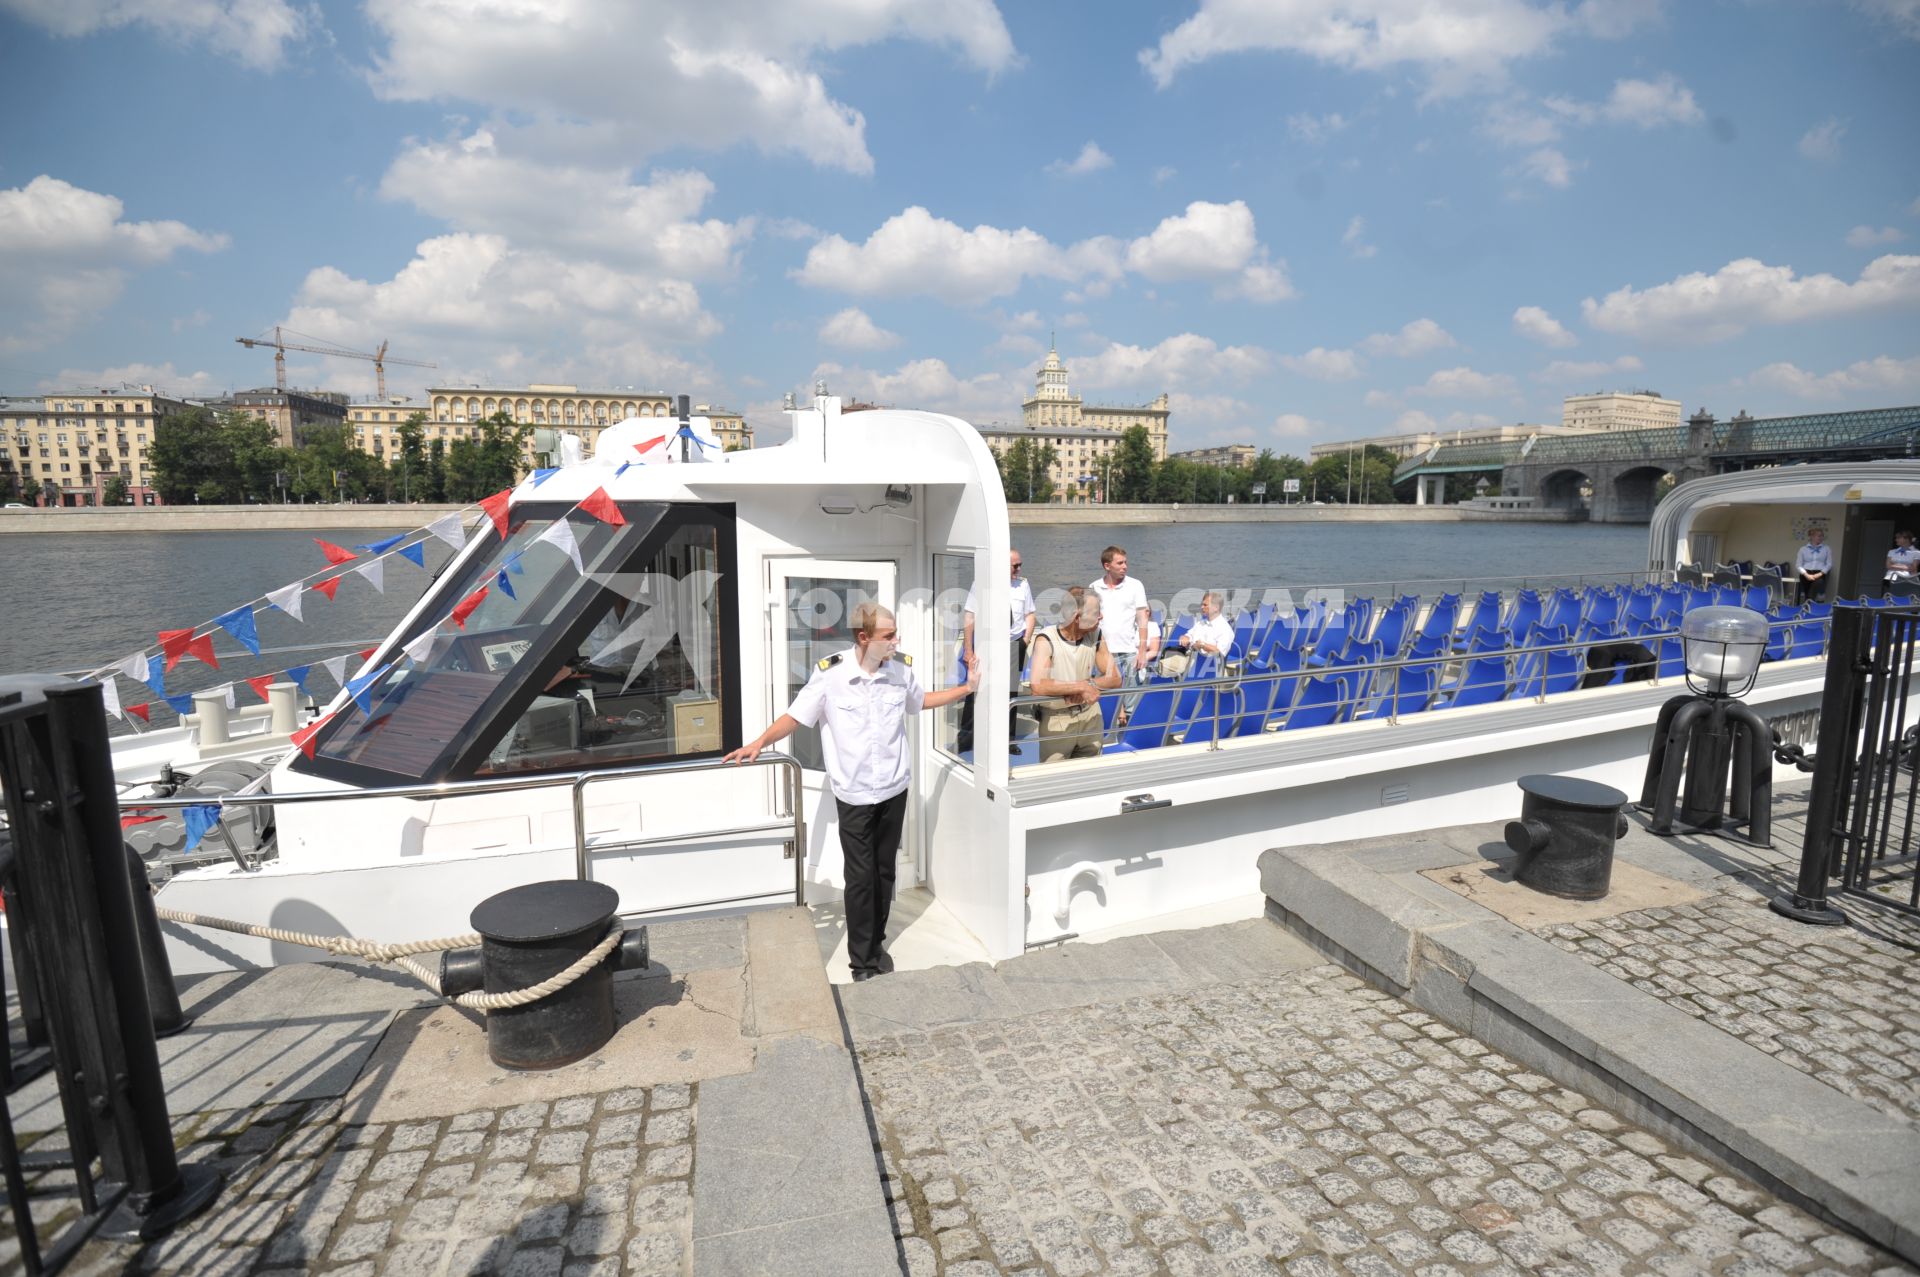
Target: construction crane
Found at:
x=281, y=346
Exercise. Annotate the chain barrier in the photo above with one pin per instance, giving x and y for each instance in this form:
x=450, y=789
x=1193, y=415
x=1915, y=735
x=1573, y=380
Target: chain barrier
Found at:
x=1791, y=755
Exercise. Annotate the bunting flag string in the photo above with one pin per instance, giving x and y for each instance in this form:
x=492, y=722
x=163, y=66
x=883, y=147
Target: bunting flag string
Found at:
x=260, y=683
x=200, y=820
x=560, y=533
x=287, y=599
x=687, y=432
x=336, y=555
x=139, y=711
x=541, y=476
x=496, y=509
x=506, y=586
x=182, y=705
x=449, y=528
x=303, y=739
x=228, y=689
x=156, y=676
x=297, y=675
x=373, y=570
x=381, y=547
x=133, y=667
x=239, y=623
x=360, y=687
x=336, y=666
x=326, y=587
x=415, y=553
x=602, y=507
x=650, y=444
x=420, y=648
x=110, y=694
x=177, y=643
x=464, y=608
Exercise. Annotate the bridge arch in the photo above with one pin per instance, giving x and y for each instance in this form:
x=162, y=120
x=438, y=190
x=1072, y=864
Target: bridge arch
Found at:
x=1637, y=490
x=1567, y=489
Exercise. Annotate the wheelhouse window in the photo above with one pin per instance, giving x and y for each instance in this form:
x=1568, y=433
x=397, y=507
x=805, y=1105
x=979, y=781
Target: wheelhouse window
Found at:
x=526, y=663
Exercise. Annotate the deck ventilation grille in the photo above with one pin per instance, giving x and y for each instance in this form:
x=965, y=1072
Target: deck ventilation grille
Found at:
x=1393, y=795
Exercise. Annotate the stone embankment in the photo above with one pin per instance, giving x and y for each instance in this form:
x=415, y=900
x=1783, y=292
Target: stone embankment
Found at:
x=1120, y=515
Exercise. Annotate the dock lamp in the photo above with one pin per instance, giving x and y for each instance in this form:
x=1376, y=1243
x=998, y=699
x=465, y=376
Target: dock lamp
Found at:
x=1701, y=734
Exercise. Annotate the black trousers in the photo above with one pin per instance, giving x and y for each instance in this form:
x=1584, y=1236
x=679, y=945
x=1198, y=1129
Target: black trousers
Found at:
x=1016, y=661
x=1811, y=589
x=869, y=844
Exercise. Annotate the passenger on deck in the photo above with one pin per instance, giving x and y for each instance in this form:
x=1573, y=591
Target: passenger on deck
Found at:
x=1212, y=633
x=1072, y=665
x=1812, y=564
x=1123, y=621
x=1903, y=559
x=1021, y=620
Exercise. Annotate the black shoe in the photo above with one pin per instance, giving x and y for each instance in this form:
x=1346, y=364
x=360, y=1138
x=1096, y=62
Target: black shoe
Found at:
x=861, y=977
x=884, y=963
x=1014, y=750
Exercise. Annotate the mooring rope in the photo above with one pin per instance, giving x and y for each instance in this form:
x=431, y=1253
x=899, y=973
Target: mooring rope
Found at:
x=401, y=955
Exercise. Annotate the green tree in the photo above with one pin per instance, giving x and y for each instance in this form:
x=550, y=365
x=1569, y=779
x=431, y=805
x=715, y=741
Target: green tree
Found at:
x=9, y=486
x=436, y=470
x=1133, y=466
x=190, y=457
x=115, y=491
x=1026, y=471
x=30, y=490
x=490, y=460
x=409, y=468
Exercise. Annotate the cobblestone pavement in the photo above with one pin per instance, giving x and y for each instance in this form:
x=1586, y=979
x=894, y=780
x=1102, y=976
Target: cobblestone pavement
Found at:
x=1841, y=1004
x=591, y=1186
x=1304, y=1124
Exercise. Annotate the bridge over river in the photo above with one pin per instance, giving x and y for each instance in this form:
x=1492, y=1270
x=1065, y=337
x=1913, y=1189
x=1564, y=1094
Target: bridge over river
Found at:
x=1618, y=477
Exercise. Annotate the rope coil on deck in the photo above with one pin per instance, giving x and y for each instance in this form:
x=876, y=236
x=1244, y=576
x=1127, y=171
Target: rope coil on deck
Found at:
x=401, y=955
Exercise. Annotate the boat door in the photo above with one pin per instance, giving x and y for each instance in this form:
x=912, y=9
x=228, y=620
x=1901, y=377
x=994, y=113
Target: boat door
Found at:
x=812, y=601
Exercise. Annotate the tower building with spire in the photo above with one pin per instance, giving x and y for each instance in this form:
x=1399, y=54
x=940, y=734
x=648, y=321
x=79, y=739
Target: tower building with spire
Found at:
x=1083, y=436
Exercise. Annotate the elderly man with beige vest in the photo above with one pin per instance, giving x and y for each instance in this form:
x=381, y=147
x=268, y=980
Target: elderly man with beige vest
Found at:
x=1071, y=664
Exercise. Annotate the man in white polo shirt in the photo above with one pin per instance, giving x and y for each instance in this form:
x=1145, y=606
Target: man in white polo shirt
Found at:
x=1123, y=621
x=863, y=696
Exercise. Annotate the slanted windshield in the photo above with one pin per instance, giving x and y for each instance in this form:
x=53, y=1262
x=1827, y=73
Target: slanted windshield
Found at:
x=533, y=661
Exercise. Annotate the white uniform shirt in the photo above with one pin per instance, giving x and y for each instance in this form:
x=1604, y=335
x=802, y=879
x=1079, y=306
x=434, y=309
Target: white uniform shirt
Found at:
x=1216, y=632
x=1120, y=613
x=1904, y=558
x=1019, y=606
x=864, y=717
x=1814, y=558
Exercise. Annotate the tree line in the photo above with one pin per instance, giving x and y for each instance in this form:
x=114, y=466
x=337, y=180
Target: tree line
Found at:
x=231, y=458
x=1130, y=474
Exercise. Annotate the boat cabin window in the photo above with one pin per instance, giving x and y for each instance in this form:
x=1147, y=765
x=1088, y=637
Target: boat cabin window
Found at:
x=548, y=667
x=952, y=593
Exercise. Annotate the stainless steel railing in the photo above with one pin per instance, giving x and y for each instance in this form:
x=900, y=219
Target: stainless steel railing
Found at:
x=793, y=819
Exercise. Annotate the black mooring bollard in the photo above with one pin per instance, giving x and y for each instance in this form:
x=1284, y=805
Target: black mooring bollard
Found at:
x=1565, y=835
x=529, y=933
x=168, y=1018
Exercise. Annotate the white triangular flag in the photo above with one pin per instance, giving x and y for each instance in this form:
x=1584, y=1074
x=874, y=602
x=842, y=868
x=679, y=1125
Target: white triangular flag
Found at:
x=374, y=570
x=110, y=693
x=337, y=666
x=561, y=534
x=134, y=667
x=228, y=689
x=422, y=647
x=287, y=599
x=447, y=528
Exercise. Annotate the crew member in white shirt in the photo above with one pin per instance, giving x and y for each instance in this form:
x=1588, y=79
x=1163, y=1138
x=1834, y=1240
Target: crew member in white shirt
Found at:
x=1022, y=619
x=1123, y=622
x=863, y=696
x=1213, y=632
x=1812, y=564
x=1903, y=559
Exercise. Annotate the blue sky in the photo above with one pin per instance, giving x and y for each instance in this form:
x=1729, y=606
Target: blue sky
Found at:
x=1306, y=220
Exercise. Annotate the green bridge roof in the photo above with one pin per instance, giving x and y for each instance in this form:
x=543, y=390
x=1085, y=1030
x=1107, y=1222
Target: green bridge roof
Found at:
x=1741, y=437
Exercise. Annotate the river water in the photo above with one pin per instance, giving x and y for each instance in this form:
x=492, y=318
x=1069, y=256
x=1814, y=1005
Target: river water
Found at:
x=81, y=600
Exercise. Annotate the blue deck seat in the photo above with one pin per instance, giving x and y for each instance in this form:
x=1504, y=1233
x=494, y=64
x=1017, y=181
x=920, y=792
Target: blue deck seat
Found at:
x=1482, y=683
x=1673, y=658
x=1391, y=633
x=1412, y=690
x=1484, y=616
x=1322, y=699
x=1526, y=612
x=1808, y=636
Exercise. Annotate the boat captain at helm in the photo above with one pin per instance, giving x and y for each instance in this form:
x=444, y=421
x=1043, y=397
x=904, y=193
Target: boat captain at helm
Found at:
x=863, y=696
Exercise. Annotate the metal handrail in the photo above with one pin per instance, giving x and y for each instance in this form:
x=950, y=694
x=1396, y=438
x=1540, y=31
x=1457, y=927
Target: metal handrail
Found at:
x=794, y=819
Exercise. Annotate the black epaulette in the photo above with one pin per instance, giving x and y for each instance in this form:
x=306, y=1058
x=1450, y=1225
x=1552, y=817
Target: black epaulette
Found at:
x=903, y=658
x=828, y=662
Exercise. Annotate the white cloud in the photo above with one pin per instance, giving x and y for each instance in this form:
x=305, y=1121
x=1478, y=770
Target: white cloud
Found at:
x=1017, y=344
x=164, y=378
x=1185, y=360
x=1748, y=292
x=1322, y=364
x=916, y=253
x=1025, y=321
x=1381, y=399
x=1883, y=375
x=197, y=319
x=254, y=32
x=637, y=78
x=1535, y=324
x=1090, y=160
x=1166, y=173
x=927, y=384
x=66, y=252
x=1464, y=382
x=1822, y=141
x=1512, y=122
x=1293, y=425
x=1211, y=409
x=1353, y=239
x=1566, y=370
x=1646, y=104
x=1902, y=15
x=1314, y=129
x=1550, y=166
x=851, y=329
x=1413, y=421
x=1414, y=338
x=1458, y=43
x=1870, y=237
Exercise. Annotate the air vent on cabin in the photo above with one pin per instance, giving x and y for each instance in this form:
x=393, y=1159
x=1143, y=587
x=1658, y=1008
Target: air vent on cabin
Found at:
x=1393, y=794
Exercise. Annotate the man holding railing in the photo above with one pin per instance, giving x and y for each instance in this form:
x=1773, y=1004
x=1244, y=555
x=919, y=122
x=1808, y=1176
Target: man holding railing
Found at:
x=1072, y=665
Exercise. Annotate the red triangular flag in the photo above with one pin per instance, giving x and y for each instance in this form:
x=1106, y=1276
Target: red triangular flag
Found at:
x=368, y=654
x=138, y=711
x=464, y=608
x=178, y=643
x=326, y=587
x=129, y=821
x=650, y=444
x=304, y=737
x=259, y=685
x=496, y=508
x=334, y=553
x=601, y=507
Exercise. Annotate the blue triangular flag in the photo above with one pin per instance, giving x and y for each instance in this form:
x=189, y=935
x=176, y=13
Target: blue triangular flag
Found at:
x=156, y=678
x=381, y=547
x=182, y=705
x=200, y=819
x=541, y=476
x=622, y=470
x=360, y=685
x=513, y=564
x=417, y=552
x=506, y=586
x=297, y=675
x=686, y=432
x=239, y=623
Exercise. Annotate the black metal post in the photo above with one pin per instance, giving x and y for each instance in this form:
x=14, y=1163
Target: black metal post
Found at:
x=162, y=997
x=1833, y=765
